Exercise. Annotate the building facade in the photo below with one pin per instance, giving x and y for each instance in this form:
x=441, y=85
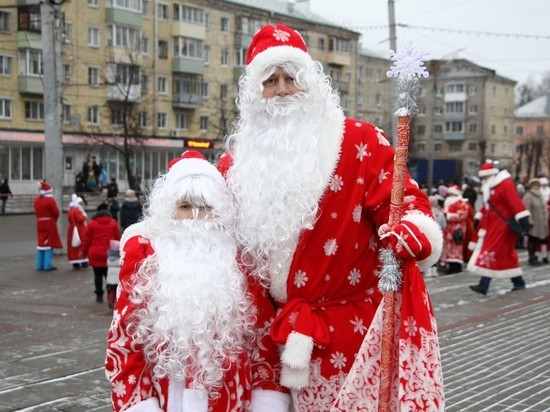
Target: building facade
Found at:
x=142, y=79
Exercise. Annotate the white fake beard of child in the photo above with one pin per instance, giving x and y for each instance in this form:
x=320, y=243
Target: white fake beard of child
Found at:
x=276, y=179
x=197, y=314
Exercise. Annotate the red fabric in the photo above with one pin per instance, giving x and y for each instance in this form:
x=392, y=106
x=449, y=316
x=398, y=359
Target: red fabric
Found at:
x=334, y=268
x=419, y=246
x=457, y=215
x=273, y=36
x=77, y=221
x=47, y=213
x=188, y=154
x=132, y=379
x=101, y=230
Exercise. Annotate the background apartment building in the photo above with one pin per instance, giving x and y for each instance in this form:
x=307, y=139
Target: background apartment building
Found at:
x=149, y=80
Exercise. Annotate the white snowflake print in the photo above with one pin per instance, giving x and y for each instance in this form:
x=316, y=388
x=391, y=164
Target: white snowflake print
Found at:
x=292, y=318
x=331, y=329
x=300, y=279
x=358, y=325
x=381, y=138
x=132, y=379
x=327, y=277
x=410, y=326
x=356, y=214
x=487, y=258
x=334, y=215
x=382, y=176
x=281, y=35
x=119, y=388
x=373, y=244
x=354, y=277
x=362, y=151
x=263, y=373
x=338, y=360
x=358, y=124
x=146, y=381
x=331, y=247
x=336, y=183
x=360, y=181
x=426, y=298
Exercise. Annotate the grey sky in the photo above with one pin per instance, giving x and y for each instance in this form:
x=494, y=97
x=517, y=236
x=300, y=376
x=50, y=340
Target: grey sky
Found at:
x=519, y=56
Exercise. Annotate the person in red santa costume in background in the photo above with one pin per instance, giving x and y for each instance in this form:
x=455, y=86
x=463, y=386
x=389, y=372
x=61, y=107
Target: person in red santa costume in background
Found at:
x=312, y=189
x=47, y=233
x=494, y=252
x=76, y=217
x=457, y=212
x=182, y=323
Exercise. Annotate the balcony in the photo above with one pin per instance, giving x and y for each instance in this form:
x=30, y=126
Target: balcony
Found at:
x=238, y=71
x=242, y=40
x=30, y=85
x=29, y=40
x=121, y=92
x=186, y=29
x=455, y=117
x=454, y=136
x=187, y=100
x=187, y=65
x=339, y=58
x=342, y=87
x=123, y=17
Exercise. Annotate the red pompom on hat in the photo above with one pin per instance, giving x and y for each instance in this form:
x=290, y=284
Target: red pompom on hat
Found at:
x=487, y=169
x=274, y=45
x=192, y=163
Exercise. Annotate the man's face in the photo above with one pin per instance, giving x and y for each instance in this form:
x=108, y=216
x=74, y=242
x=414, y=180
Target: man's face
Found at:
x=279, y=84
x=188, y=210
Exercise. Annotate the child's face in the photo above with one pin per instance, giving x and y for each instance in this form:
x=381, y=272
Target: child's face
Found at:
x=187, y=210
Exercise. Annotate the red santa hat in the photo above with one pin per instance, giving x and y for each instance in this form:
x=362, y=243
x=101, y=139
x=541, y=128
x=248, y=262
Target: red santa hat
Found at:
x=454, y=190
x=274, y=45
x=45, y=188
x=487, y=169
x=192, y=163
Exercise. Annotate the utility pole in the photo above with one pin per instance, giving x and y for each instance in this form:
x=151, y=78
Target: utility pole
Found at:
x=393, y=46
x=52, y=29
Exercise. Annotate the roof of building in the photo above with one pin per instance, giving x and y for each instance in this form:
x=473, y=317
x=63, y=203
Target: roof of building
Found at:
x=537, y=108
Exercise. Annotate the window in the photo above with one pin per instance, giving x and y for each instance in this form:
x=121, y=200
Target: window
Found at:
x=93, y=37
x=540, y=130
x=204, y=90
x=162, y=85
x=223, y=91
x=161, y=120
x=421, y=111
x=438, y=128
x=93, y=76
x=224, y=24
x=438, y=147
x=29, y=18
x=187, y=47
x=162, y=11
x=421, y=129
x=117, y=118
x=163, y=49
x=4, y=21
x=34, y=110
x=204, y=123
x=190, y=14
x=134, y=5
x=454, y=88
x=519, y=131
x=206, y=54
x=30, y=62
x=142, y=118
x=473, y=128
x=505, y=130
x=5, y=108
x=67, y=113
x=321, y=44
x=120, y=36
x=438, y=110
x=473, y=108
x=472, y=146
x=339, y=44
x=493, y=129
x=145, y=45
x=420, y=147
x=93, y=115
x=182, y=121
x=473, y=90
x=93, y=3
x=144, y=83
x=225, y=58
x=67, y=72
x=5, y=65
x=454, y=107
x=127, y=73
x=454, y=127
x=240, y=56
x=455, y=146
x=145, y=7
x=68, y=32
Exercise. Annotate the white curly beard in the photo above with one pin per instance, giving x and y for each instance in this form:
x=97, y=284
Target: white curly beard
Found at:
x=276, y=180
x=197, y=313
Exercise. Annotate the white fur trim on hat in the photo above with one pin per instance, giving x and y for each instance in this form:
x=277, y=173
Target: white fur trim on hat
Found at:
x=193, y=167
x=275, y=56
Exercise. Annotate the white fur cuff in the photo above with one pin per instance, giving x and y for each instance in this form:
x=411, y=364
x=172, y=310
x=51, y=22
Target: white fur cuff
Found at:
x=294, y=378
x=269, y=401
x=149, y=405
x=432, y=231
x=297, y=351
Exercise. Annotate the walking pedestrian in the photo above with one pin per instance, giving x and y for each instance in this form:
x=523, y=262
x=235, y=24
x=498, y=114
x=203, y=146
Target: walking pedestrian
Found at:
x=494, y=254
x=181, y=322
x=101, y=230
x=456, y=210
x=536, y=205
x=5, y=192
x=313, y=196
x=47, y=213
x=76, y=216
x=131, y=210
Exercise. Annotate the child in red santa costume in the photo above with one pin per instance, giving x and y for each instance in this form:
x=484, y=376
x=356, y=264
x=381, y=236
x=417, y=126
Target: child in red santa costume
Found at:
x=312, y=190
x=47, y=234
x=182, y=322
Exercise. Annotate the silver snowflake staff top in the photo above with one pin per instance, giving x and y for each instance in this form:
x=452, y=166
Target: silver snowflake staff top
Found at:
x=407, y=69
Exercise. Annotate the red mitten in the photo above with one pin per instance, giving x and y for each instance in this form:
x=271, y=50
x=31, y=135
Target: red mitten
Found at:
x=406, y=240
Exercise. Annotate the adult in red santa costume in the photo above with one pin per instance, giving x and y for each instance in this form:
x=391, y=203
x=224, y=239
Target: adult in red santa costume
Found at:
x=47, y=234
x=494, y=253
x=182, y=320
x=312, y=189
x=457, y=211
x=76, y=216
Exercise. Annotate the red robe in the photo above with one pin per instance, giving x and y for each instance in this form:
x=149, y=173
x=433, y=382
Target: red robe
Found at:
x=135, y=387
x=47, y=213
x=495, y=254
x=77, y=221
x=457, y=213
x=330, y=295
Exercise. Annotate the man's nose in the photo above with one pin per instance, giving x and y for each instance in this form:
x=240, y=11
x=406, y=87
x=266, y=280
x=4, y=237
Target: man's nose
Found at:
x=282, y=88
